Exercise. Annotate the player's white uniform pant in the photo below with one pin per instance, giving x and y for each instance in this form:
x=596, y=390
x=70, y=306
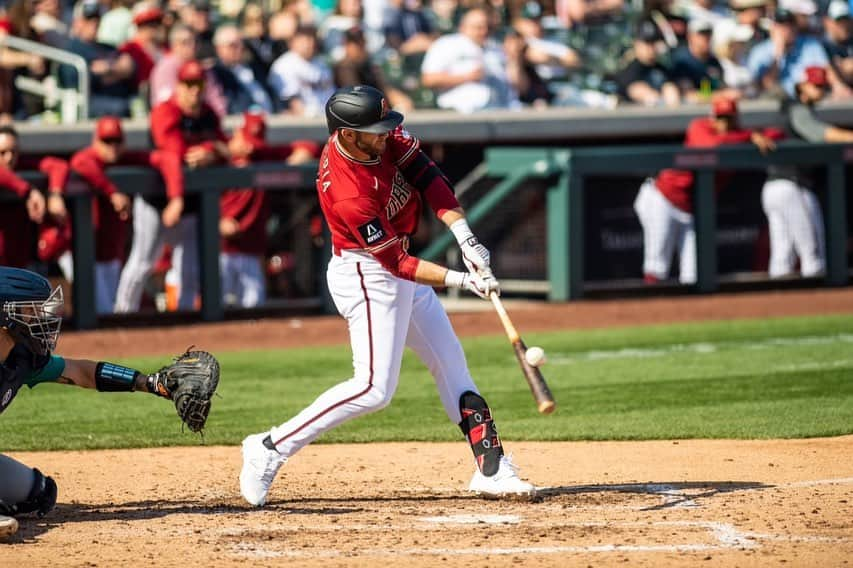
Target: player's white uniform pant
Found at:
x=795, y=223
x=666, y=229
x=384, y=313
x=243, y=281
x=149, y=236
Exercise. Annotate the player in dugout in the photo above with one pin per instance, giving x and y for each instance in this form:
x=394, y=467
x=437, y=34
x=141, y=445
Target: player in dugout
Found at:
x=664, y=204
x=245, y=212
x=17, y=219
x=110, y=206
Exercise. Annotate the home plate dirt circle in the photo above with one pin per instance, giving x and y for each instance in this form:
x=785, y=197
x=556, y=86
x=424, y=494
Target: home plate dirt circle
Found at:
x=679, y=503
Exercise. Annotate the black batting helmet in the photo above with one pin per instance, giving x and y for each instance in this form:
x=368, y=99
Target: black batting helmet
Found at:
x=362, y=108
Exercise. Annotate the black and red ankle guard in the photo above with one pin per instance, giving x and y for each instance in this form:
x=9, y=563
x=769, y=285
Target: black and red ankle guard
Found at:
x=478, y=427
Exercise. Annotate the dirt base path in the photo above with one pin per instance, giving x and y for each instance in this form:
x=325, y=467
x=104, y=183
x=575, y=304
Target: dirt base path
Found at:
x=528, y=317
x=709, y=503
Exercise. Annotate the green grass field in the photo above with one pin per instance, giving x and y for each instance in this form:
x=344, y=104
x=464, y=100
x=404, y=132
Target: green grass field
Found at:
x=776, y=378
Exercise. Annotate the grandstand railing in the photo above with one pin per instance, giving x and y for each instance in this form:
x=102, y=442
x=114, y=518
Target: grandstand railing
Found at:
x=74, y=103
x=569, y=169
x=207, y=183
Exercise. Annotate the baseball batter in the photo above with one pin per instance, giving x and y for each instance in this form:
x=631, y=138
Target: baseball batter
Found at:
x=664, y=205
x=30, y=318
x=373, y=181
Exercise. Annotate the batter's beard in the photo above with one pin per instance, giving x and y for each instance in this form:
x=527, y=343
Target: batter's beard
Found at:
x=367, y=148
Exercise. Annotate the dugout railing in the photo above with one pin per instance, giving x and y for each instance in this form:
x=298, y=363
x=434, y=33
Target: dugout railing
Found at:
x=208, y=184
x=569, y=169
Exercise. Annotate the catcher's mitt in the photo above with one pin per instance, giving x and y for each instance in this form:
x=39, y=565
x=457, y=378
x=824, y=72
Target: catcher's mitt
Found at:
x=190, y=382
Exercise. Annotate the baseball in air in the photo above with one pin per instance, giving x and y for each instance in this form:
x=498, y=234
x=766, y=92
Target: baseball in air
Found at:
x=535, y=356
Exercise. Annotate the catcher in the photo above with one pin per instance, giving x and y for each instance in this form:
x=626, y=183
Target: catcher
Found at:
x=30, y=316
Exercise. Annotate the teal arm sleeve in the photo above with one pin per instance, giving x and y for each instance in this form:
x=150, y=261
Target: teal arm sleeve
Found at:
x=49, y=373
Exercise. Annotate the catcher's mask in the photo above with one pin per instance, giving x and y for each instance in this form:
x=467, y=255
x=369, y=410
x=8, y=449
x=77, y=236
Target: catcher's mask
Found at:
x=31, y=312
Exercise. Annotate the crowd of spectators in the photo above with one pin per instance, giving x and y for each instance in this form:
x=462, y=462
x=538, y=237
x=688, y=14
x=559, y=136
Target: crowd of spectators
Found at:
x=286, y=56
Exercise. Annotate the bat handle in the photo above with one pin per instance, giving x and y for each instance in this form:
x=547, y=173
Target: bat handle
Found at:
x=511, y=332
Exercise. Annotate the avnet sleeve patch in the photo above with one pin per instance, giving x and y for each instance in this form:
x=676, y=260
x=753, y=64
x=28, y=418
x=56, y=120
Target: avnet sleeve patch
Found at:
x=372, y=231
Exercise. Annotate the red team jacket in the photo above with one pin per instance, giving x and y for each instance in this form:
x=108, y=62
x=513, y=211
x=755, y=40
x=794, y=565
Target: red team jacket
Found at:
x=17, y=234
x=371, y=204
x=677, y=185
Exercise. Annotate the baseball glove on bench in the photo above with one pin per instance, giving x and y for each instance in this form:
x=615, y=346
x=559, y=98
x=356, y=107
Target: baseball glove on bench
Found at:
x=189, y=382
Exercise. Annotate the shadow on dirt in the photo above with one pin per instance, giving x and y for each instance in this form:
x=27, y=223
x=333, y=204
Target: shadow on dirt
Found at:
x=673, y=494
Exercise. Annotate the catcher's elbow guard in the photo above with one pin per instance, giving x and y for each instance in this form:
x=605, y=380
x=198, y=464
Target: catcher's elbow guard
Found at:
x=478, y=427
x=114, y=378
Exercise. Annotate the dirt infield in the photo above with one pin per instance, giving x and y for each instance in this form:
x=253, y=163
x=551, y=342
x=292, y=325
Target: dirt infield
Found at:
x=711, y=503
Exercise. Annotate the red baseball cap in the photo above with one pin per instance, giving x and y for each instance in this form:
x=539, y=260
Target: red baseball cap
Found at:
x=147, y=15
x=724, y=106
x=816, y=76
x=109, y=128
x=191, y=71
x=254, y=126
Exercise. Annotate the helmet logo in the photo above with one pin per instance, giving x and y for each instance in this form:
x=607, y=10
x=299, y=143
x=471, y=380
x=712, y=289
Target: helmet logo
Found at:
x=385, y=108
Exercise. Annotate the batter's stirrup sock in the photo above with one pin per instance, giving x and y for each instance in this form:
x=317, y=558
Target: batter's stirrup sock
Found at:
x=114, y=378
x=478, y=427
x=268, y=443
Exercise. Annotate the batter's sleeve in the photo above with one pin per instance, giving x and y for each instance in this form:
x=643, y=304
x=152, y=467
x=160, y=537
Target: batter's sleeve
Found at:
x=363, y=217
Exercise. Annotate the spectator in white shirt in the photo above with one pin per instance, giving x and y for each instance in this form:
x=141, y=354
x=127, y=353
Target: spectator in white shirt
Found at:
x=301, y=80
x=468, y=69
x=730, y=43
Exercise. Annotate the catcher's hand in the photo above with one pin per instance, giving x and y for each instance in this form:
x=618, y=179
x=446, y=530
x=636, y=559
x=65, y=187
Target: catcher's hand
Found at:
x=190, y=382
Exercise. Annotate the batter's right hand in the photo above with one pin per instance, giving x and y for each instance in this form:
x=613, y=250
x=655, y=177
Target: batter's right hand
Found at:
x=473, y=282
x=172, y=213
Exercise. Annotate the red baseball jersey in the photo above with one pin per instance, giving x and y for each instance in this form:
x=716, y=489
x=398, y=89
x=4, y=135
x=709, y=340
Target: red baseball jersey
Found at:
x=250, y=208
x=677, y=185
x=142, y=58
x=370, y=205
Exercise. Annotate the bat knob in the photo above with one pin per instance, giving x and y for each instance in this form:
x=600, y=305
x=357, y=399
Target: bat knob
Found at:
x=547, y=407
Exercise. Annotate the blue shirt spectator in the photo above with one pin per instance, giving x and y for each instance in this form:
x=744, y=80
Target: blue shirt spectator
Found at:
x=783, y=57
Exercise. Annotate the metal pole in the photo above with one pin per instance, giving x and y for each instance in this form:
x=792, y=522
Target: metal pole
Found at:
x=705, y=216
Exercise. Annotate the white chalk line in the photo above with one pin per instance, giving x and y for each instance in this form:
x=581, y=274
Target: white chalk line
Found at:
x=706, y=348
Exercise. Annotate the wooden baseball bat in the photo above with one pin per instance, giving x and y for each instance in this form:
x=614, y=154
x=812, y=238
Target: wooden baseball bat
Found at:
x=541, y=393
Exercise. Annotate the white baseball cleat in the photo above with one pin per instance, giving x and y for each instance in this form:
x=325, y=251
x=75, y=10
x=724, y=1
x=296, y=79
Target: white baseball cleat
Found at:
x=504, y=483
x=260, y=464
x=8, y=526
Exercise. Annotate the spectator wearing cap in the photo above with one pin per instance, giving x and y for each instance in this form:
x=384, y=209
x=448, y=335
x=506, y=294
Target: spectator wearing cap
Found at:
x=664, y=205
x=145, y=47
x=164, y=76
x=187, y=131
x=552, y=59
x=467, y=69
x=115, y=27
x=245, y=212
x=241, y=88
x=300, y=80
x=793, y=212
x=111, y=72
x=729, y=43
x=17, y=219
x=695, y=69
x=346, y=14
x=110, y=206
x=778, y=62
x=803, y=11
x=751, y=13
x=356, y=68
x=408, y=28
x=645, y=80
x=195, y=14
x=838, y=43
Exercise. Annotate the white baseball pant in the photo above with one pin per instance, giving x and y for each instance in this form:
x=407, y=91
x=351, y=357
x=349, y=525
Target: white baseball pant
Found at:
x=384, y=314
x=795, y=224
x=666, y=229
x=243, y=281
x=149, y=236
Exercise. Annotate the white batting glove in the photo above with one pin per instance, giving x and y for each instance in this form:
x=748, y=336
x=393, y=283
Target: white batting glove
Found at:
x=472, y=282
x=475, y=256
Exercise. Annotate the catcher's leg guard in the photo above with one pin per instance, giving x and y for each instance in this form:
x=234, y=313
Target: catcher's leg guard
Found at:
x=42, y=497
x=478, y=427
